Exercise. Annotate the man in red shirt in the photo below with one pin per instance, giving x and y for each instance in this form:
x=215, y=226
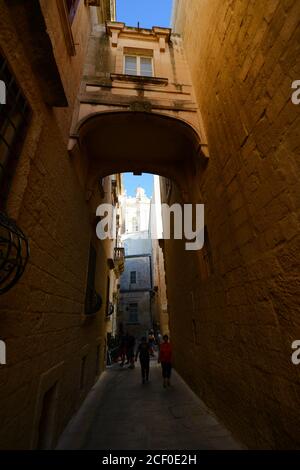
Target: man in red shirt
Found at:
x=165, y=358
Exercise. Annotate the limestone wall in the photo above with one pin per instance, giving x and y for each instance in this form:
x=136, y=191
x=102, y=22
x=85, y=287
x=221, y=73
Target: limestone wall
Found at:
x=42, y=318
x=234, y=332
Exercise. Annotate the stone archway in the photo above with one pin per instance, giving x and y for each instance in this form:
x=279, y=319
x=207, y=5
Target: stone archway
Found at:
x=137, y=141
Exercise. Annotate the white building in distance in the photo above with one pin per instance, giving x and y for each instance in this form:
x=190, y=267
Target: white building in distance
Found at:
x=135, y=307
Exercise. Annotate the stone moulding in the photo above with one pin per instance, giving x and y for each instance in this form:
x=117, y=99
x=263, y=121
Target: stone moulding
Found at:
x=139, y=79
x=115, y=29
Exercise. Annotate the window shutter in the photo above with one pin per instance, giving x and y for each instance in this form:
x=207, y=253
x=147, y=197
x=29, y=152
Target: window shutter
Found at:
x=146, y=66
x=130, y=65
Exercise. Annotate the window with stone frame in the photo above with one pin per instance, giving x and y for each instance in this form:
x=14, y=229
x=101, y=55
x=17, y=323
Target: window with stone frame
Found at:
x=138, y=65
x=133, y=277
x=14, y=121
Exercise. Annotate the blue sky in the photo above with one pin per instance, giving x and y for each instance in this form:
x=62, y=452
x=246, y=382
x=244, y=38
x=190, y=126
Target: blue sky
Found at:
x=131, y=182
x=148, y=12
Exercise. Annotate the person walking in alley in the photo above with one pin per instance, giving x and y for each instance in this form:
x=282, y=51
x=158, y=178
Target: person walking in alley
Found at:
x=123, y=348
x=144, y=352
x=130, y=350
x=165, y=358
x=159, y=338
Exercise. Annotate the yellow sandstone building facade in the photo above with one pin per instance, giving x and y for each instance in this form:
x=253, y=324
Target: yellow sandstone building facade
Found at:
x=53, y=321
x=243, y=58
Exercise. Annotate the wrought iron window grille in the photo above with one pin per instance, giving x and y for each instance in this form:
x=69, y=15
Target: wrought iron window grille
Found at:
x=14, y=253
x=15, y=115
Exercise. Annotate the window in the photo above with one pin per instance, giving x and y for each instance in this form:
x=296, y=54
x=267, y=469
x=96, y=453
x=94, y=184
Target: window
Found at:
x=133, y=313
x=130, y=65
x=133, y=277
x=146, y=66
x=72, y=6
x=138, y=65
x=14, y=120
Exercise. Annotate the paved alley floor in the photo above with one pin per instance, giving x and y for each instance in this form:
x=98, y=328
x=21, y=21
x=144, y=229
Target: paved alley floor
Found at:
x=121, y=413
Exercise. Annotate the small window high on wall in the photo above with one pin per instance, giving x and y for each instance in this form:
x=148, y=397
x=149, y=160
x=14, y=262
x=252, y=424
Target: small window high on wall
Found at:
x=138, y=65
x=133, y=277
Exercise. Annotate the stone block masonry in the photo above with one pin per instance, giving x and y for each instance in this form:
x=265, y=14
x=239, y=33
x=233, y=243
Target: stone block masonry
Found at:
x=51, y=348
x=243, y=57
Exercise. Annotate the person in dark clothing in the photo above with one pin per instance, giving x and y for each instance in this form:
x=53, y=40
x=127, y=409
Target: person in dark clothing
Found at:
x=130, y=350
x=144, y=352
x=123, y=348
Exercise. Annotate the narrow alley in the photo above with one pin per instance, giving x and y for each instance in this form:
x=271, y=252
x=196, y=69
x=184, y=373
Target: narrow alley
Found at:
x=149, y=198
x=121, y=413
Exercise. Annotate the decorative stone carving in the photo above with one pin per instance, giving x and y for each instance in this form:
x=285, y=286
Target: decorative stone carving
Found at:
x=141, y=106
